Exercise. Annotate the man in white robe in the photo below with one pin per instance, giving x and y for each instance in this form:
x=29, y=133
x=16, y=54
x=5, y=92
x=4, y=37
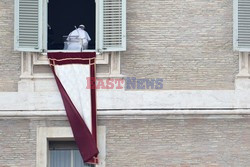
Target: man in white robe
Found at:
x=78, y=39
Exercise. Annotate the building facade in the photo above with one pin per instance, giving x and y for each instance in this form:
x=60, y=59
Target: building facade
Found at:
x=198, y=116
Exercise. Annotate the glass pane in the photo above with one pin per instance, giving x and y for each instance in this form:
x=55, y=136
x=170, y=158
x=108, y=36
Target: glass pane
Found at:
x=60, y=158
x=78, y=160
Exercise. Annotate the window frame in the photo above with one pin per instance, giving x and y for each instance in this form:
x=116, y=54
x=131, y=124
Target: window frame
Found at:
x=119, y=13
x=44, y=134
x=45, y=32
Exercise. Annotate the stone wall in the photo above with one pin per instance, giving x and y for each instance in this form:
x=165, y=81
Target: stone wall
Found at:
x=156, y=141
x=9, y=60
x=188, y=43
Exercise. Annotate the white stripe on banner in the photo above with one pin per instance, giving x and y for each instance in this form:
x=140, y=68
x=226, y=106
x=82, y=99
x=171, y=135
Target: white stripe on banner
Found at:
x=74, y=80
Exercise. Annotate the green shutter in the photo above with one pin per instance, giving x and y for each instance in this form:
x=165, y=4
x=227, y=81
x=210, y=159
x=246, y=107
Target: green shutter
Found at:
x=111, y=21
x=242, y=25
x=28, y=25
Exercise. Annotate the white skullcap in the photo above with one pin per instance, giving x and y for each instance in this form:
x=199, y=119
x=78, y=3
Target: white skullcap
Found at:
x=81, y=26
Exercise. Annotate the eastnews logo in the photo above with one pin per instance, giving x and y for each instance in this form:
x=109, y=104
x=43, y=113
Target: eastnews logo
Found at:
x=128, y=83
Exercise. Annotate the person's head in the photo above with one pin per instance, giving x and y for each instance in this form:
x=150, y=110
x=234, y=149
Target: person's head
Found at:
x=82, y=26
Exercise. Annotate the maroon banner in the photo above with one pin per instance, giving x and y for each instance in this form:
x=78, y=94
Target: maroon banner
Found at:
x=86, y=139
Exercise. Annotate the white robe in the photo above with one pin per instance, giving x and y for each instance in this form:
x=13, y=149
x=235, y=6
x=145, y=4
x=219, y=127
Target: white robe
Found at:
x=77, y=40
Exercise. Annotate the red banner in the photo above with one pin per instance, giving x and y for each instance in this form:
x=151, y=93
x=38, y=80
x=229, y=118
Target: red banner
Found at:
x=71, y=71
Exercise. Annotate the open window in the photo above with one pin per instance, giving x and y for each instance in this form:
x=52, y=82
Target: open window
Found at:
x=105, y=21
x=64, y=16
x=241, y=25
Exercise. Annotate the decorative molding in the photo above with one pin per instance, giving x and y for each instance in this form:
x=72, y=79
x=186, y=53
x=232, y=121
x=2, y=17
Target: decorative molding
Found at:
x=41, y=59
x=242, y=80
x=26, y=83
x=242, y=83
x=31, y=81
x=115, y=68
x=244, y=66
x=132, y=114
x=132, y=100
x=44, y=134
x=102, y=58
x=26, y=65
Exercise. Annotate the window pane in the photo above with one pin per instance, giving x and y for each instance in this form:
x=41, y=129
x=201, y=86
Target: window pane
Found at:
x=78, y=160
x=60, y=158
x=65, y=154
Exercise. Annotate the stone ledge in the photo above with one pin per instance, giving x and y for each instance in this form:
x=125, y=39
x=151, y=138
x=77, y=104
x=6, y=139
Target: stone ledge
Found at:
x=130, y=113
x=132, y=100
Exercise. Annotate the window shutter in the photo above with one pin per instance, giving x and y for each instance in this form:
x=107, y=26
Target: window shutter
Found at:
x=28, y=25
x=111, y=23
x=242, y=25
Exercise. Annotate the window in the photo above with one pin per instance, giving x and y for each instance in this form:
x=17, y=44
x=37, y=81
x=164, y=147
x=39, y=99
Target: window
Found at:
x=44, y=146
x=241, y=25
x=32, y=18
x=60, y=24
x=65, y=153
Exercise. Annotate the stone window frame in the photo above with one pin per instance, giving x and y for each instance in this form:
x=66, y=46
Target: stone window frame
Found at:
x=36, y=56
x=32, y=82
x=44, y=134
x=242, y=79
x=36, y=40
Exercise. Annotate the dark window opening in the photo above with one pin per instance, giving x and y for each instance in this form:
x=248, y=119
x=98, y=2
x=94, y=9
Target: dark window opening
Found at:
x=64, y=15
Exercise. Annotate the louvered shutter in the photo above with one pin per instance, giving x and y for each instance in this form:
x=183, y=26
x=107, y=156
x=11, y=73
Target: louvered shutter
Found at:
x=28, y=25
x=111, y=21
x=242, y=25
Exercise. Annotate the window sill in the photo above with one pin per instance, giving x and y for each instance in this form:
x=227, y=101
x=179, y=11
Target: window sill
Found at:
x=52, y=51
x=41, y=59
x=36, y=75
x=98, y=75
